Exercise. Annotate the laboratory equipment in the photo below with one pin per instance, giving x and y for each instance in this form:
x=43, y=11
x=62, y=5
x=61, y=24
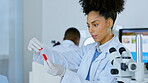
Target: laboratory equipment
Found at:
x=127, y=37
x=125, y=68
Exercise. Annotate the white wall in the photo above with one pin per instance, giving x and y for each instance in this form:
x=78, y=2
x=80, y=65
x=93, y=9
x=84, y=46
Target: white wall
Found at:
x=32, y=14
x=59, y=15
x=135, y=14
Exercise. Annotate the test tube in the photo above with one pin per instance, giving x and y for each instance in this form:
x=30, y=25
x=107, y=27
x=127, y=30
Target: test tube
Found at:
x=139, y=47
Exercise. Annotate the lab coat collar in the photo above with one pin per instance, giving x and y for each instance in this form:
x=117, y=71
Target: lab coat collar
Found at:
x=101, y=48
x=67, y=42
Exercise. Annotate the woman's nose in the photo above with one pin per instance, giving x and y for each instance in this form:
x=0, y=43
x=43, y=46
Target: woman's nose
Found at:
x=91, y=29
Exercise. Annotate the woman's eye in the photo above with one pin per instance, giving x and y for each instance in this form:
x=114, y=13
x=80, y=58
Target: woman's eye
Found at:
x=95, y=25
x=88, y=26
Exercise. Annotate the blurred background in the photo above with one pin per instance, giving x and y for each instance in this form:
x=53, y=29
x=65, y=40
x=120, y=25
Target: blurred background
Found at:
x=47, y=20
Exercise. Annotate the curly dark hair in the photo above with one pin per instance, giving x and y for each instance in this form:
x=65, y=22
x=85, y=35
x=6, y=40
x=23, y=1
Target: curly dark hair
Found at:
x=106, y=8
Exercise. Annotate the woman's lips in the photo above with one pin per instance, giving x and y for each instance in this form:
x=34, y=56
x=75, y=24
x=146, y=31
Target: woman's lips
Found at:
x=94, y=36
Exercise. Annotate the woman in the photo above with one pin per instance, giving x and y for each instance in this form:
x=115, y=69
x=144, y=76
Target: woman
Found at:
x=92, y=60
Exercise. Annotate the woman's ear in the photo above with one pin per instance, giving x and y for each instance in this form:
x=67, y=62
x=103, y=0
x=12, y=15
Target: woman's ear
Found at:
x=110, y=22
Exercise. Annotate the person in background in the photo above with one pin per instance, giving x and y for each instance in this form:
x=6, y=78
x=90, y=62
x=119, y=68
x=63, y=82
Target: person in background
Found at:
x=92, y=61
x=70, y=41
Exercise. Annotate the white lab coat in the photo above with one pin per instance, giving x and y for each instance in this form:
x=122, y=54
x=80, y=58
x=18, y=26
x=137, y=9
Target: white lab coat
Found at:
x=3, y=79
x=100, y=68
x=58, y=52
x=66, y=46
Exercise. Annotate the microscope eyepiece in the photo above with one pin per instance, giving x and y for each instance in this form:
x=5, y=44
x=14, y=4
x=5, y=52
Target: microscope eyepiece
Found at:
x=114, y=71
x=112, y=50
x=121, y=50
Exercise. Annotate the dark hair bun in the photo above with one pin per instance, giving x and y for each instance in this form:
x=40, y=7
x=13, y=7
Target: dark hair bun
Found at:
x=103, y=6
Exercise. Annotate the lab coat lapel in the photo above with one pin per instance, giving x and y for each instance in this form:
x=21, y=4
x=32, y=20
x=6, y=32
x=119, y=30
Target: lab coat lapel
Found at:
x=97, y=66
x=85, y=64
x=102, y=60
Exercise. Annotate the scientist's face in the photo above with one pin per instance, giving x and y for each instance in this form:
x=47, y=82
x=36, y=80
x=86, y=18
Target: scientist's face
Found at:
x=99, y=27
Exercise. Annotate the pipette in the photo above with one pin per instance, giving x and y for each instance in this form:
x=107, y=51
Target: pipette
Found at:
x=46, y=59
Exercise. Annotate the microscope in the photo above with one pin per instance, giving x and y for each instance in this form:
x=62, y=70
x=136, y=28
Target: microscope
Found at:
x=125, y=68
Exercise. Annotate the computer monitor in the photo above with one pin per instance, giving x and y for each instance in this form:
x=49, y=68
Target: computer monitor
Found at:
x=128, y=38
